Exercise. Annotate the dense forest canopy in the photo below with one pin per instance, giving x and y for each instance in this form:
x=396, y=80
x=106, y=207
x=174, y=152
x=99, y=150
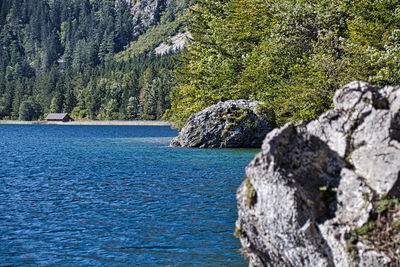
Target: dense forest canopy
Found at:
x=290, y=54
x=90, y=58
x=86, y=57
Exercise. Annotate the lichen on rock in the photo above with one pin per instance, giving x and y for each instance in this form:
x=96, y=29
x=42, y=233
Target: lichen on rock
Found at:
x=319, y=186
x=233, y=123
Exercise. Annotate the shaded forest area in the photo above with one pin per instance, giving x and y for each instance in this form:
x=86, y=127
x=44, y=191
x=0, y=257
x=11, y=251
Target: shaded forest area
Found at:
x=68, y=56
x=290, y=54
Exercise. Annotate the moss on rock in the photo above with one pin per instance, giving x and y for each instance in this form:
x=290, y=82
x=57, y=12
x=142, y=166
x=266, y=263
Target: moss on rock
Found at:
x=251, y=195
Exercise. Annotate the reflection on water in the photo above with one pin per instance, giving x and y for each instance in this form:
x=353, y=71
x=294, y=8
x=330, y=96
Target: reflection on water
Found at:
x=115, y=195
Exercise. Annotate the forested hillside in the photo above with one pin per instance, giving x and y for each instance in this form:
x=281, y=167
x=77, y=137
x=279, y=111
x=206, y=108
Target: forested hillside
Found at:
x=90, y=58
x=290, y=54
x=95, y=60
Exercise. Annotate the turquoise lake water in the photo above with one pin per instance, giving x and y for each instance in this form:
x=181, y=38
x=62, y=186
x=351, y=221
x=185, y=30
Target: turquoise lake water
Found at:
x=116, y=196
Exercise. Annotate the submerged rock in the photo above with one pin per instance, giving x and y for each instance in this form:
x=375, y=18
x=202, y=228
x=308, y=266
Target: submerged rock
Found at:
x=315, y=193
x=233, y=123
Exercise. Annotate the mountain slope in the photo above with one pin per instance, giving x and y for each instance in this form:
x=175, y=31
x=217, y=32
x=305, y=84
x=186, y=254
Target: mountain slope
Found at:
x=72, y=56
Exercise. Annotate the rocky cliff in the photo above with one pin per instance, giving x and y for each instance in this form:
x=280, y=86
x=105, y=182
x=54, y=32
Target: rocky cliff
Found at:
x=233, y=123
x=145, y=14
x=327, y=194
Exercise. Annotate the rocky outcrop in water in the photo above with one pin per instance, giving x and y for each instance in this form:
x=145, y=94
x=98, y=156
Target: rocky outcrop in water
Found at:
x=327, y=194
x=233, y=123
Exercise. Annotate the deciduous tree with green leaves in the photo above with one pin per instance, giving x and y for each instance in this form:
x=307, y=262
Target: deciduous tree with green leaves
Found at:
x=290, y=54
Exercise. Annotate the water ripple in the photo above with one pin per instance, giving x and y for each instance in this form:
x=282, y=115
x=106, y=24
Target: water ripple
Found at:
x=109, y=195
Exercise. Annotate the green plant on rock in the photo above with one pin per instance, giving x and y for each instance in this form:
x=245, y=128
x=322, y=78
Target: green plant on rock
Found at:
x=251, y=194
x=351, y=248
x=327, y=194
x=228, y=127
x=237, y=114
x=234, y=117
x=381, y=232
x=239, y=232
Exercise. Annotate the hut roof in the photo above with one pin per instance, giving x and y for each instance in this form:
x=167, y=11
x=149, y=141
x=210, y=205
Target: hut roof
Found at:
x=56, y=116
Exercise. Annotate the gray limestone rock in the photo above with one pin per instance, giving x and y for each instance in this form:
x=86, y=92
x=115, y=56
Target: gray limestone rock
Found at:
x=145, y=14
x=312, y=185
x=233, y=123
x=177, y=43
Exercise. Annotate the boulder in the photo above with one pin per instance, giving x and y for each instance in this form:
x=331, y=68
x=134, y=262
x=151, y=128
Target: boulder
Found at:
x=233, y=123
x=315, y=195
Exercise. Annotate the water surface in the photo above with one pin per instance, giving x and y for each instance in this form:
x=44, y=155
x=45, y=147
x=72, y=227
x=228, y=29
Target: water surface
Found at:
x=115, y=196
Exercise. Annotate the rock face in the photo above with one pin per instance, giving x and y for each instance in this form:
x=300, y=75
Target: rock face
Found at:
x=312, y=190
x=146, y=13
x=177, y=43
x=233, y=123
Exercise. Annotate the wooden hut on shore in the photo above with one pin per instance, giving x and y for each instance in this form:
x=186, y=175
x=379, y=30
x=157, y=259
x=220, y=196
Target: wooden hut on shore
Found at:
x=58, y=117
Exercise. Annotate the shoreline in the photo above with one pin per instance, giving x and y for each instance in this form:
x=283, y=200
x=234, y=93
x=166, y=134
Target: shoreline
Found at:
x=96, y=123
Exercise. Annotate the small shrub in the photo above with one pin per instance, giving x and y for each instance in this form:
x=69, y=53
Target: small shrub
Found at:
x=382, y=231
x=251, y=195
x=239, y=232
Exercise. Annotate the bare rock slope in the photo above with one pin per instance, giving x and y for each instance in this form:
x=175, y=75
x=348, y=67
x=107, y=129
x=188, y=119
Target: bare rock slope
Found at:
x=233, y=123
x=145, y=14
x=327, y=194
